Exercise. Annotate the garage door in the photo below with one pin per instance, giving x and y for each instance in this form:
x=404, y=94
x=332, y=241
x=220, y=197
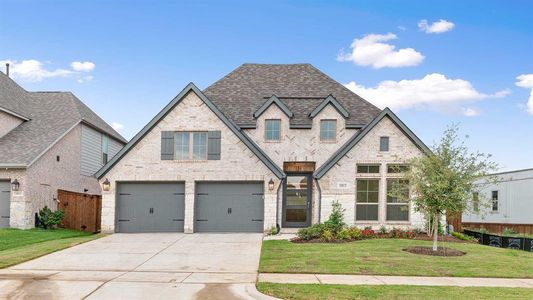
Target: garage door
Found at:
x=5, y=192
x=229, y=207
x=151, y=207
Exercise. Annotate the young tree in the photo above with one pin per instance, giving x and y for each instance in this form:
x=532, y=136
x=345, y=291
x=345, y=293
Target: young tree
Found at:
x=444, y=180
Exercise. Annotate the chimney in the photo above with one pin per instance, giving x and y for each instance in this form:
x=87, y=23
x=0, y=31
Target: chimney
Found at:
x=7, y=69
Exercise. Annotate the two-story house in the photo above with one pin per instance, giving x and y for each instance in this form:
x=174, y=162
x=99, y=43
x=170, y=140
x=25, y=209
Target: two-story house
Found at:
x=266, y=145
x=49, y=141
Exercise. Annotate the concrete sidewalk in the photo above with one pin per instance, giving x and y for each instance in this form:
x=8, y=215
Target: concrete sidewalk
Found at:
x=393, y=280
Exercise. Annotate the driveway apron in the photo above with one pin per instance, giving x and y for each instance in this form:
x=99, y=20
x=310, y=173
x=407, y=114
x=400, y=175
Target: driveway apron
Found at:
x=142, y=266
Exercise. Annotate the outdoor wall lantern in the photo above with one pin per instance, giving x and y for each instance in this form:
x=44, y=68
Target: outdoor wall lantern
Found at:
x=15, y=185
x=271, y=185
x=106, y=185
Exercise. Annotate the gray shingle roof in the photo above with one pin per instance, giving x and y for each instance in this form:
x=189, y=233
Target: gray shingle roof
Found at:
x=50, y=114
x=300, y=86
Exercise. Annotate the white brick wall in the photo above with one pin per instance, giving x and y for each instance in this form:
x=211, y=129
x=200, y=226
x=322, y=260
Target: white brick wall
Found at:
x=143, y=162
x=401, y=149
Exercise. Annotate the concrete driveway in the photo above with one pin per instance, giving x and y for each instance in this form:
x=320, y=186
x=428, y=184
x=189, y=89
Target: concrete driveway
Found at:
x=142, y=266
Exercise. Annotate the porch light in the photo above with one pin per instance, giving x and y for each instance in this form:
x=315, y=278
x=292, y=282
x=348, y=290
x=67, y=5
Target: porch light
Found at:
x=271, y=185
x=15, y=185
x=106, y=185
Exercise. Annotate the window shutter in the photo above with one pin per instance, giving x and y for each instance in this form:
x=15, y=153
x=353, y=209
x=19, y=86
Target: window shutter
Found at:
x=213, y=145
x=384, y=143
x=167, y=145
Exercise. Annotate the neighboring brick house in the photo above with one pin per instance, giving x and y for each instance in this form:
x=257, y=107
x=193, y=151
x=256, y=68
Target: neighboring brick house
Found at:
x=49, y=141
x=265, y=146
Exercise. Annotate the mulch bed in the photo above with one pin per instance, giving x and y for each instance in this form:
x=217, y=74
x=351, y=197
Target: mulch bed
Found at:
x=420, y=237
x=441, y=251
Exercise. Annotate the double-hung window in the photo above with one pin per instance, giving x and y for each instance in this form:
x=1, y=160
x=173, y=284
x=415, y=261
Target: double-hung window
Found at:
x=397, y=200
x=368, y=169
x=367, y=198
x=190, y=146
x=328, y=130
x=272, y=130
x=475, y=201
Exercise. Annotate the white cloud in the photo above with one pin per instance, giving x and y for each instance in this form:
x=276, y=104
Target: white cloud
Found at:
x=402, y=28
x=437, y=27
x=526, y=81
x=79, y=66
x=433, y=91
x=371, y=50
x=33, y=70
x=117, y=126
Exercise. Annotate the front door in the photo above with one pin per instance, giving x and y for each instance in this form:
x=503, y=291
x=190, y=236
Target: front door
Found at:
x=297, y=192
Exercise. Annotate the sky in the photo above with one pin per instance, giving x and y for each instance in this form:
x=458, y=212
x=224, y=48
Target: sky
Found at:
x=434, y=63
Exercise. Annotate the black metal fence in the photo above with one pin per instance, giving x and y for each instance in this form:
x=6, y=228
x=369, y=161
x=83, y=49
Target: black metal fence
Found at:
x=518, y=243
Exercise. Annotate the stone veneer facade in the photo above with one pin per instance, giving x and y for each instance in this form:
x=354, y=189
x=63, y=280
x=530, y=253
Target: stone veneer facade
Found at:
x=41, y=180
x=238, y=163
x=143, y=163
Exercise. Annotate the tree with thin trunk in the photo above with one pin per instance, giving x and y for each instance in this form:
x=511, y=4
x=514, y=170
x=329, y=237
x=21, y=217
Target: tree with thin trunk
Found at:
x=444, y=180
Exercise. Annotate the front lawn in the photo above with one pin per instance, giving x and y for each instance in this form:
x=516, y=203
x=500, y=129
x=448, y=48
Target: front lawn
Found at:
x=17, y=245
x=385, y=257
x=317, y=291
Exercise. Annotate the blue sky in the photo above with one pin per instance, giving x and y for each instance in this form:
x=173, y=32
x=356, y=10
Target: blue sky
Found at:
x=136, y=56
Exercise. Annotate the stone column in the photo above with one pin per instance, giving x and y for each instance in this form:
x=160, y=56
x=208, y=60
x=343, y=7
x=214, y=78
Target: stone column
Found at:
x=188, y=225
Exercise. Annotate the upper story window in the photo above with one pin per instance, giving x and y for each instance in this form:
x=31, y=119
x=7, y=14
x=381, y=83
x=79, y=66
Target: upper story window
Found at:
x=495, y=200
x=191, y=146
x=396, y=168
x=368, y=169
x=328, y=130
x=105, y=148
x=384, y=143
x=272, y=130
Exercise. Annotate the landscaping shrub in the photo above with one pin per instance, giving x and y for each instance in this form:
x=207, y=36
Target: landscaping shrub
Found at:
x=50, y=219
x=355, y=233
x=382, y=230
x=461, y=236
x=344, y=234
x=509, y=232
x=335, y=222
x=327, y=236
x=312, y=232
x=368, y=233
x=398, y=233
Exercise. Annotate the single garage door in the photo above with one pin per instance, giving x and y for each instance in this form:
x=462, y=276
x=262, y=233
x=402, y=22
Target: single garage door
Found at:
x=5, y=192
x=151, y=207
x=229, y=207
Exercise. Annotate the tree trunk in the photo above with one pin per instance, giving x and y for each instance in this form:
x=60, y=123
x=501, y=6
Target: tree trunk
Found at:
x=435, y=230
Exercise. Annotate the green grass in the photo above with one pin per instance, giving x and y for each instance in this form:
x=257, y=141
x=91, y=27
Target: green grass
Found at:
x=316, y=291
x=17, y=245
x=385, y=257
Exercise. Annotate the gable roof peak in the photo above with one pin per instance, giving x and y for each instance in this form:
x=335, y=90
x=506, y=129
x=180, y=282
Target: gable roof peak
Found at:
x=273, y=100
x=330, y=100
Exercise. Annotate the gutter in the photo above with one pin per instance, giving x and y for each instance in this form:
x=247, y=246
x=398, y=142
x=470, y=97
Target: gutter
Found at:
x=281, y=182
x=319, y=199
x=13, y=166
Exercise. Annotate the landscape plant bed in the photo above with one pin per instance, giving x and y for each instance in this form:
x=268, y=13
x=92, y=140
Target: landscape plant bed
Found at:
x=419, y=236
x=441, y=251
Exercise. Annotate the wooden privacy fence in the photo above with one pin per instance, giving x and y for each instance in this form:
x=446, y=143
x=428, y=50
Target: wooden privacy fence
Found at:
x=82, y=211
x=500, y=227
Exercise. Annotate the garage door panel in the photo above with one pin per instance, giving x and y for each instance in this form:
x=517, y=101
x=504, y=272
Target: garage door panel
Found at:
x=229, y=207
x=151, y=207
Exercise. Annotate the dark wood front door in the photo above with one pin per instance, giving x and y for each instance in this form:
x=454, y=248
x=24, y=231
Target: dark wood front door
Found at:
x=297, y=195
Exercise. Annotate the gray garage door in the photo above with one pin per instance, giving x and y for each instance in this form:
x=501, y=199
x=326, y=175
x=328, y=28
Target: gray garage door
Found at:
x=151, y=207
x=229, y=207
x=5, y=192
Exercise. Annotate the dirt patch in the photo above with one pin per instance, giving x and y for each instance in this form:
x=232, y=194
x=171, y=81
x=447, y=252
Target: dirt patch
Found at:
x=441, y=251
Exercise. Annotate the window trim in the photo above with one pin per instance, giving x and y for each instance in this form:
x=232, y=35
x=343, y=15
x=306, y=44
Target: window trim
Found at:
x=387, y=203
x=322, y=121
x=367, y=165
x=388, y=143
x=377, y=204
x=266, y=129
x=191, y=145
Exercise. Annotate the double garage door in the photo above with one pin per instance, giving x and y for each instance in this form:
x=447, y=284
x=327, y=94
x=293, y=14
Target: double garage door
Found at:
x=219, y=207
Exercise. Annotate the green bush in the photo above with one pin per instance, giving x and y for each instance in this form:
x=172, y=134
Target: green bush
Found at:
x=335, y=222
x=355, y=233
x=309, y=233
x=382, y=230
x=508, y=231
x=461, y=236
x=327, y=236
x=50, y=219
x=344, y=234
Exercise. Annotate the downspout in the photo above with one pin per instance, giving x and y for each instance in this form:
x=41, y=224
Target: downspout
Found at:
x=278, y=225
x=319, y=198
